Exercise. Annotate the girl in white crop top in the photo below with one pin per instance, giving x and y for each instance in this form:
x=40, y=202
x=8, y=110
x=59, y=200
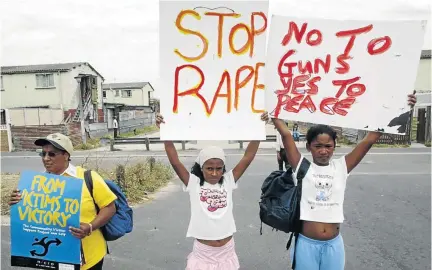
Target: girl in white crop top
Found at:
x=210, y=188
x=319, y=245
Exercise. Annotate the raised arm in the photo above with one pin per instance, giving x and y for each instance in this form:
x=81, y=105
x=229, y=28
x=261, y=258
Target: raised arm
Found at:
x=293, y=154
x=358, y=153
x=249, y=154
x=246, y=160
x=173, y=158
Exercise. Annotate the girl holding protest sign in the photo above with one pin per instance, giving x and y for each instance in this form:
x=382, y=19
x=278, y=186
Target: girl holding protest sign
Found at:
x=210, y=189
x=319, y=245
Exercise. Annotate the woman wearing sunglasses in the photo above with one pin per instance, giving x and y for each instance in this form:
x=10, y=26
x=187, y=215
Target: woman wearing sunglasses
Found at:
x=56, y=151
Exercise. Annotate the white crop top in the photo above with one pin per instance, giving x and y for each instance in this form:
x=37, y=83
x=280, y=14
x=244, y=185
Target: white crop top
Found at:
x=211, y=208
x=323, y=191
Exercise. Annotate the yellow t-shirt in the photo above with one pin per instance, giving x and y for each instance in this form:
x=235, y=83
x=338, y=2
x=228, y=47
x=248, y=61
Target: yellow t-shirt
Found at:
x=94, y=246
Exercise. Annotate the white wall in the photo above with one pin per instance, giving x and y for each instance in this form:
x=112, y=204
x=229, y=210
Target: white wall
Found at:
x=70, y=87
x=20, y=90
x=423, y=80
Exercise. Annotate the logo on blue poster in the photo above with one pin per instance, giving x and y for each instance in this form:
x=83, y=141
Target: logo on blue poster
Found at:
x=40, y=222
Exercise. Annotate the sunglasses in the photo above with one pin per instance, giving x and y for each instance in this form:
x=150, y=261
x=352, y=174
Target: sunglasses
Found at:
x=50, y=154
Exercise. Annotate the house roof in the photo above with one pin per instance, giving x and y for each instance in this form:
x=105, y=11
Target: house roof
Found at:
x=130, y=85
x=425, y=54
x=62, y=67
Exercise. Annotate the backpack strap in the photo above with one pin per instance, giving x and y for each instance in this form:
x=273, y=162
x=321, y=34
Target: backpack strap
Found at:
x=302, y=170
x=89, y=183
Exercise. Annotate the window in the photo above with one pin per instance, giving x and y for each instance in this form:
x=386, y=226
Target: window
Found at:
x=1, y=82
x=104, y=94
x=45, y=80
x=117, y=93
x=127, y=93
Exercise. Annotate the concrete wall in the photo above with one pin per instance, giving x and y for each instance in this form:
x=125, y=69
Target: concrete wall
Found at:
x=130, y=120
x=97, y=130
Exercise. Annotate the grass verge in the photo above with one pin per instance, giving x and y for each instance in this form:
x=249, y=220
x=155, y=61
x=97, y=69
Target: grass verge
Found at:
x=139, y=131
x=140, y=180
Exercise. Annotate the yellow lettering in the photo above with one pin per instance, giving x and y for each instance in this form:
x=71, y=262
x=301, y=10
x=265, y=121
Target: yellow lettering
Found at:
x=52, y=185
x=22, y=215
x=26, y=197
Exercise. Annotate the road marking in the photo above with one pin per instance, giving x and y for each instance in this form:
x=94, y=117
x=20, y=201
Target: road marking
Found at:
x=362, y=173
x=229, y=154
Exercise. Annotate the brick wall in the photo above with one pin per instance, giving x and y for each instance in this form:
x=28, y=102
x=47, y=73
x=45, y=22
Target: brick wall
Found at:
x=4, y=141
x=101, y=116
x=23, y=137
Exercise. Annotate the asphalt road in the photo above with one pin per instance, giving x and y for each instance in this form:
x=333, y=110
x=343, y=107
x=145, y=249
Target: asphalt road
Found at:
x=387, y=217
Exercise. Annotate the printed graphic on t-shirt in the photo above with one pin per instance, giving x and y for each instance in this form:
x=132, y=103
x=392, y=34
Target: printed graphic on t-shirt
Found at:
x=323, y=191
x=213, y=198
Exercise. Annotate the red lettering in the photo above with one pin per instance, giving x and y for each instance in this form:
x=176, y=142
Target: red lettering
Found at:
x=353, y=33
x=313, y=88
x=293, y=29
x=326, y=104
x=361, y=88
x=385, y=43
x=307, y=68
x=282, y=100
x=333, y=106
x=239, y=85
x=345, y=67
x=217, y=95
x=291, y=102
x=298, y=83
x=317, y=40
x=308, y=104
x=313, y=37
x=192, y=92
x=288, y=65
x=343, y=104
x=325, y=65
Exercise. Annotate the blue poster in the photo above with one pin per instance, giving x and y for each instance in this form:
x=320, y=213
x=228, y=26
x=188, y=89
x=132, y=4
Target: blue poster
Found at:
x=40, y=222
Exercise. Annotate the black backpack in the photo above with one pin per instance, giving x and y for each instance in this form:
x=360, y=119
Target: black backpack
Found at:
x=280, y=201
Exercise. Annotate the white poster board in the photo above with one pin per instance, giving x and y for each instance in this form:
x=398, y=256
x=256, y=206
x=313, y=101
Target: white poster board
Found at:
x=317, y=73
x=212, y=56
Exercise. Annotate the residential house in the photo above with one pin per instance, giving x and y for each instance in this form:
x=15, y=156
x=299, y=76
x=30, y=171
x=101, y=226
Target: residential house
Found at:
x=423, y=81
x=60, y=89
x=123, y=97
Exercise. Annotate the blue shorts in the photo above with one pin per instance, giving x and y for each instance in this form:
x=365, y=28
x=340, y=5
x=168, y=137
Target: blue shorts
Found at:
x=319, y=255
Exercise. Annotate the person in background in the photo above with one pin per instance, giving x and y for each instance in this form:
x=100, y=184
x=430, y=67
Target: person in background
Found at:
x=115, y=126
x=296, y=134
x=56, y=156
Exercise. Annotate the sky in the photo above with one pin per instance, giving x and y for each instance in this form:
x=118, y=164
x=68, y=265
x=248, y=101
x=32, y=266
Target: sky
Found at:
x=120, y=38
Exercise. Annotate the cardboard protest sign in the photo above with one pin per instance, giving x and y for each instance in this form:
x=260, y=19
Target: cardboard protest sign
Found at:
x=211, y=68
x=353, y=74
x=40, y=236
